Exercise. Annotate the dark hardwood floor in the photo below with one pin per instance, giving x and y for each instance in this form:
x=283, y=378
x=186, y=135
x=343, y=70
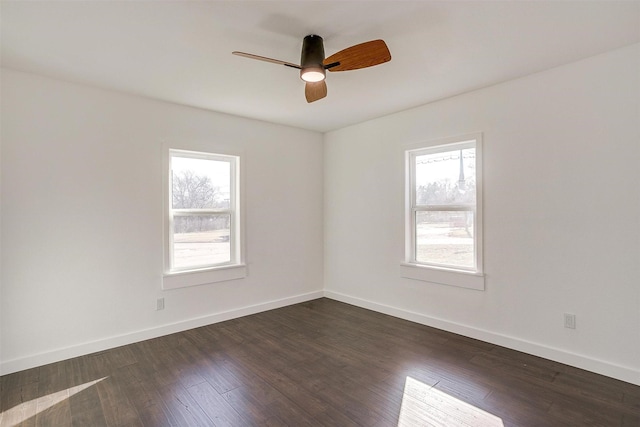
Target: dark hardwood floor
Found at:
x=320, y=363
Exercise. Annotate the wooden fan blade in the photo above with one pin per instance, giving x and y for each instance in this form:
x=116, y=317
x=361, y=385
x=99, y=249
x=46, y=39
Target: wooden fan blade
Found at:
x=314, y=91
x=264, y=58
x=362, y=55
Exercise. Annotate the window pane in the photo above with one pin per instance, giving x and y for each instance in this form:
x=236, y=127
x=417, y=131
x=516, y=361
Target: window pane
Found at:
x=201, y=240
x=200, y=183
x=446, y=178
x=445, y=238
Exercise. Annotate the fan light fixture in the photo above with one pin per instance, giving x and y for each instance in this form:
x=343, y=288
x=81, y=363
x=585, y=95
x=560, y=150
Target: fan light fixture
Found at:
x=312, y=74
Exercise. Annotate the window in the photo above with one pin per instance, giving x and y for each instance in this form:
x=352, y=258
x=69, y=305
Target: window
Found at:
x=443, y=209
x=203, y=216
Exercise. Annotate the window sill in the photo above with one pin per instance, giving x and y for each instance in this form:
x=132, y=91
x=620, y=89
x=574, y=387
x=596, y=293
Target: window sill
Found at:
x=185, y=279
x=457, y=278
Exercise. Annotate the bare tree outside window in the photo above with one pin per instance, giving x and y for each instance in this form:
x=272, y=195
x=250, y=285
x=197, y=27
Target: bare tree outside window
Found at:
x=191, y=190
x=200, y=205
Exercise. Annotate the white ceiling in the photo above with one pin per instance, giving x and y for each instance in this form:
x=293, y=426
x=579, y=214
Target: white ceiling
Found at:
x=180, y=51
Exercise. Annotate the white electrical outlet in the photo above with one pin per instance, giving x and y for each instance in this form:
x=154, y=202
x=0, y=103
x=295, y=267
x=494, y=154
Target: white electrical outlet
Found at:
x=160, y=304
x=569, y=321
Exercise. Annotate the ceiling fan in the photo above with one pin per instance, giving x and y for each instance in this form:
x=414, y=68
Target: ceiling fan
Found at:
x=313, y=64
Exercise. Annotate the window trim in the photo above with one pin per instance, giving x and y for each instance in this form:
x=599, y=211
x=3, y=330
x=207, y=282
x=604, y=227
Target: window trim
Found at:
x=471, y=278
x=236, y=267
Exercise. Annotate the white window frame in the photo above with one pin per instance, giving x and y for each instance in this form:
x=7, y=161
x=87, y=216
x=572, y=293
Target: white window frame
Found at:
x=235, y=268
x=471, y=278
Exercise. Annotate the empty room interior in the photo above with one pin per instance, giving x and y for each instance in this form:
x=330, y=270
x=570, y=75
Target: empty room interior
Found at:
x=339, y=213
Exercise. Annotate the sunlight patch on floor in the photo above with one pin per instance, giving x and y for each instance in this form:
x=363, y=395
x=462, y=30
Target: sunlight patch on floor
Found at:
x=22, y=412
x=423, y=405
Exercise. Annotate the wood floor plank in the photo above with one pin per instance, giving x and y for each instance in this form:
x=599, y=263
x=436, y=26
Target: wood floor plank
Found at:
x=98, y=364
x=53, y=378
x=152, y=361
x=10, y=383
x=215, y=406
x=182, y=360
x=589, y=387
x=54, y=410
x=569, y=411
x=140, y=389
x=252, y=405
x=16, y=393
x=20, y=403
x=329, y=387
x=85, y=408
x=185, y=410
x=116, y=406
x=156, y=416
x=630, y=420
x=466, y=390
x=217, y=375
x=291, y=389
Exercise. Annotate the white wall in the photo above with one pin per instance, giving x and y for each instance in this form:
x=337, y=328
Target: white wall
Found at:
x=82, y=218
x=561, y=214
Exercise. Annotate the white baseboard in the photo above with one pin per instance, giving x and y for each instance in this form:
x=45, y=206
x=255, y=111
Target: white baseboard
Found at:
x=56, y=355
x=579, y=361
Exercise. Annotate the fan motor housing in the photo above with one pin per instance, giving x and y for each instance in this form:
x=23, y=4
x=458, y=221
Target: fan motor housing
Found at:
x=312, y=56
